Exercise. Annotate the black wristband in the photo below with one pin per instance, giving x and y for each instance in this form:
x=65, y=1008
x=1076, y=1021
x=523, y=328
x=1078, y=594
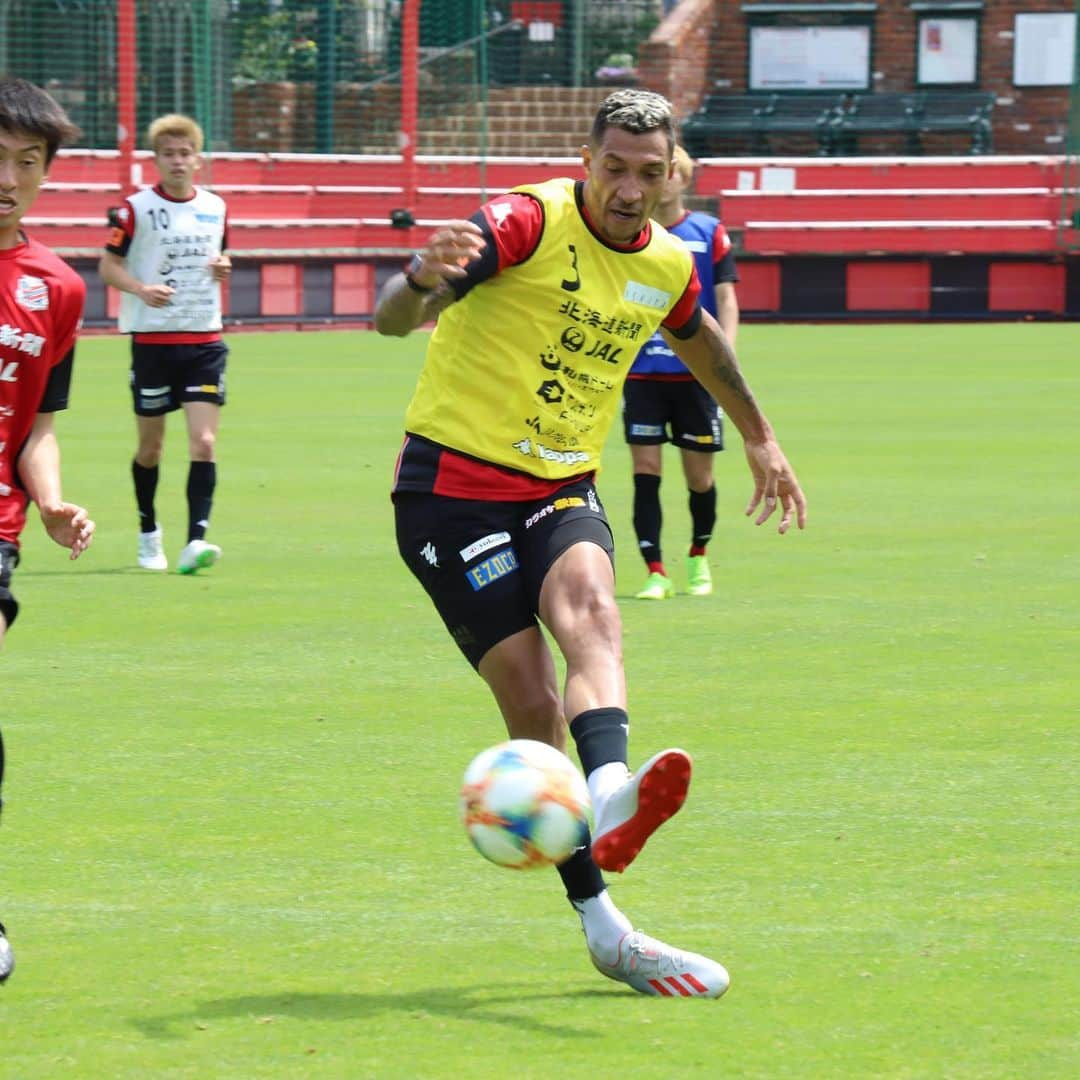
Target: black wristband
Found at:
x=416, y=286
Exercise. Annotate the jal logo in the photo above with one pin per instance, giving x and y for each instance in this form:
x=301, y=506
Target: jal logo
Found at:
x=32, y=293
x=573, y=339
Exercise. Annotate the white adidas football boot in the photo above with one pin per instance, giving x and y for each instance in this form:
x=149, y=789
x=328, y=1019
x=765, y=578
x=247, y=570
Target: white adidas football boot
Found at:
x=651, y=967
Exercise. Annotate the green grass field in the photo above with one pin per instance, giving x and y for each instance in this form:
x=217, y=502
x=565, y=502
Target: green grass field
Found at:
x=230, y=845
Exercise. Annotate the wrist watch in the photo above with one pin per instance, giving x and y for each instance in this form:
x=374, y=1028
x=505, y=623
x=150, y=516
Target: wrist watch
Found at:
x=416, y=264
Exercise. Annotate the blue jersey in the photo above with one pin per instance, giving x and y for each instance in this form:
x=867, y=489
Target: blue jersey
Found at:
x=710, y=245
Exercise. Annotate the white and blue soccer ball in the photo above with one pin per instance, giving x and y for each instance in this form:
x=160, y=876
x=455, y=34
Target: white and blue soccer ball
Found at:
x=524, y=804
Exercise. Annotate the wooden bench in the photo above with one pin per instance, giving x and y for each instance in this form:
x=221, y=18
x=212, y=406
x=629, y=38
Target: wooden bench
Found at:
x=837, y=122
x=872, y=114
x=966, y=111
x=721, y=116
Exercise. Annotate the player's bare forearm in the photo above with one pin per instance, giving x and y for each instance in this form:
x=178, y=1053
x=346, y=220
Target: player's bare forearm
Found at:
x=709, y=355
x=727, y=310
x=403, y=306
x=114, y=272
x=400, y=309
x=39, y=463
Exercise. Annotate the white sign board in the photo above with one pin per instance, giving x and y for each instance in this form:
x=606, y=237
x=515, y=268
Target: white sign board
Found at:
x=947, y=50
x=809, y=57
x=1045, y=49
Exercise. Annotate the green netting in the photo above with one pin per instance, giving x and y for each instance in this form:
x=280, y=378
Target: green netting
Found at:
x=321, y=76
x=1069, y=231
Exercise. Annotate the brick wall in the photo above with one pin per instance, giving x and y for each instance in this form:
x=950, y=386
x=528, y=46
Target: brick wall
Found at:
x=675, y=60
x=1029, y=120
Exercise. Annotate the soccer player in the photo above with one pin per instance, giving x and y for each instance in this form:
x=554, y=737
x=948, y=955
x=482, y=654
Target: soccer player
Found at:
x=41, y=302
x=543, y=298
x=166, y=253
x=660, y=393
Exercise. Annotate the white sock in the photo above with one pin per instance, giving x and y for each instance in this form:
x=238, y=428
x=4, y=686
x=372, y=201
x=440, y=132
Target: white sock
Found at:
x=604, y=925
x=603, y=782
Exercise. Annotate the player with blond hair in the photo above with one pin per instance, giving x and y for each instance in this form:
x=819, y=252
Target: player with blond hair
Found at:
x=166, y=254
x=663, y=400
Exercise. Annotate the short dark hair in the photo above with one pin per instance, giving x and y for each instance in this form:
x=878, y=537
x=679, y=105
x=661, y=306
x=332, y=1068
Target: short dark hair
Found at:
x=636, y=111
x=26, y=107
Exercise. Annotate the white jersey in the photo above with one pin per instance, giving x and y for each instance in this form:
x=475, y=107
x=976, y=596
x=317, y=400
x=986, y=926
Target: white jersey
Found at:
x=171, y=242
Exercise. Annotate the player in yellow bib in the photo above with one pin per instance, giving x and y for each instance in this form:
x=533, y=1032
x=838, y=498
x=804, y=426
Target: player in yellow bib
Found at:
x=543, y=300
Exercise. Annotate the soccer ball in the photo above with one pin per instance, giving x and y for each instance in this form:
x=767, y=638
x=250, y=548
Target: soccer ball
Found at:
x=524, y=804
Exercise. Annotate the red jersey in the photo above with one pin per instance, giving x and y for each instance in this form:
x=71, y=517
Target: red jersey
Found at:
x=41, y=303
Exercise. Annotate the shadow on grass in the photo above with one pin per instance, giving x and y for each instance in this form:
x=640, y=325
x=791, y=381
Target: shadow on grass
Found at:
x=477, y=1004
x=136, y=571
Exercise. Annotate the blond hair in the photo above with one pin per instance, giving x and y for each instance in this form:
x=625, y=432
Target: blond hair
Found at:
x=178, y=126
x=684, y=165
x=636, y=111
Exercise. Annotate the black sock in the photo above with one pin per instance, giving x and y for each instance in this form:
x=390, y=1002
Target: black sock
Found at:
x=648, y=516
x=201, y=481
x=702, y=515
x=601, y=736
x=581, y=875
x=146, y=480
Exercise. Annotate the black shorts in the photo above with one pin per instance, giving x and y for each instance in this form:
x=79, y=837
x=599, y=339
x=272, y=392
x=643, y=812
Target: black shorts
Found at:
x=164, y=377
x=483, y=563
x=651, y=406
x=9, y=559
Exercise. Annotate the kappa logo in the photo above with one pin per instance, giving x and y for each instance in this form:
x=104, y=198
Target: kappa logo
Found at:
x=428, y=552
x=32, y=293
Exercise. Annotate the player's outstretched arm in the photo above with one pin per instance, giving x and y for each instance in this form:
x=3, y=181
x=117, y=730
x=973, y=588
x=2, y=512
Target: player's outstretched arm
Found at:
x=407, y=301
x=708, y=354
x=39, y=469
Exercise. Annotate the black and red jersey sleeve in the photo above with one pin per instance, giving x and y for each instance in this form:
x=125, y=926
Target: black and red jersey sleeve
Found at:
x=512, y=226
x=724, y=269
x=68, y=300
x=685, y=316
x=66, y=297
x=58, y=386
x=121, y=229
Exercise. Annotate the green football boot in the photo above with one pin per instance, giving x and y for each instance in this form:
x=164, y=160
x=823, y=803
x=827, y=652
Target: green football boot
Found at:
x=698, y=575
x=657, y=587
